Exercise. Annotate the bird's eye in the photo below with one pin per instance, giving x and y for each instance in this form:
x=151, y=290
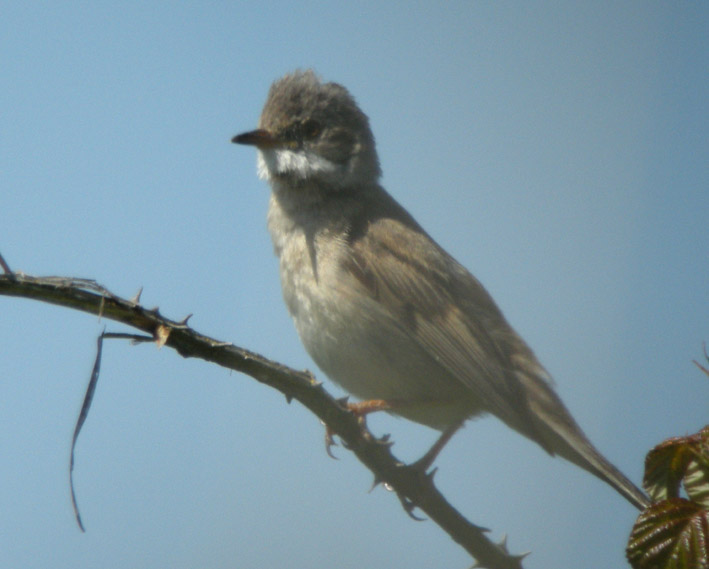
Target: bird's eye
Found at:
x=310, y=129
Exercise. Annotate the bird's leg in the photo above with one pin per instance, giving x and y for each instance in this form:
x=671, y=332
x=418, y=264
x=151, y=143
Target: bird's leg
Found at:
x=363, y=408
x=427, y=459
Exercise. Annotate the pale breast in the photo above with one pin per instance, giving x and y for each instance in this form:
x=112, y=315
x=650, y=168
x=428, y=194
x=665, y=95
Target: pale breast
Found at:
x=351, y=336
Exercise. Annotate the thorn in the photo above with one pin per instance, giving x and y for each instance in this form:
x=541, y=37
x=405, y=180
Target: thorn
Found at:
x=183, y=322
x=289, y=398
x=503, y=545
x=343, y=401
x=5, y=266
x=136, y=298
x=429, y=475
x=311, y=378
x=375, y=482
x=385, y=440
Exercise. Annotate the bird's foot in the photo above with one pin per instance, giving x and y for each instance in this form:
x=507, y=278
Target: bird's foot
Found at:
x=360, y=409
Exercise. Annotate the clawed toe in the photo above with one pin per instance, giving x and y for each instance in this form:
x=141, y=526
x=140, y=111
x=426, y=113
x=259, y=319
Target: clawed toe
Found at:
x=330, y=442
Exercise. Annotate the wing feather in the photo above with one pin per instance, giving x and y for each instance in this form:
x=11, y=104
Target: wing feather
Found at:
x=446, y=311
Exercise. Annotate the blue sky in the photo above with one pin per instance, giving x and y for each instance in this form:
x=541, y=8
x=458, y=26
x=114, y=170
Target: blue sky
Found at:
x=560, y=151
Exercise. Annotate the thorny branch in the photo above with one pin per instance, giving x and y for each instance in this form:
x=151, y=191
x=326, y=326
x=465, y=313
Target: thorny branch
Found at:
x=415, y=489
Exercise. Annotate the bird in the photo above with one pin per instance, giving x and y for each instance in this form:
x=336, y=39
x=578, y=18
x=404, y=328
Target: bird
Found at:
x=382, y=309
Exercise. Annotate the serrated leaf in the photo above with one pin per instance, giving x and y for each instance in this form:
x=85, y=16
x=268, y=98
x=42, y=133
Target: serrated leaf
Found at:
x=696, y=481
x=673, y=534
x=666, y=466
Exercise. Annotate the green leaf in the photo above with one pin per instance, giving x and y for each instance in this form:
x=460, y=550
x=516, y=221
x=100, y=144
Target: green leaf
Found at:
x=675, y=460
x=696, y=480
x=672, y=534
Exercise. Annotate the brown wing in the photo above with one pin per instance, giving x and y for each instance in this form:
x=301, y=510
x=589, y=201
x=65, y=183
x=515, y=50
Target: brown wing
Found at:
x=445, y=310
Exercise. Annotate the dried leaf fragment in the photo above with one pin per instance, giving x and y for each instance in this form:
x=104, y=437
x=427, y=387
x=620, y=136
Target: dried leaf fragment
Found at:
x=162, y=332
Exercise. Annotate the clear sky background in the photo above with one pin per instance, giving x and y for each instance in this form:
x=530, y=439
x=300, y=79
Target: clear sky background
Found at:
x=560, y=151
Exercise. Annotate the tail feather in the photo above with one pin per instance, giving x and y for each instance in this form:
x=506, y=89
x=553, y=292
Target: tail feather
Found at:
x=576, y=448
x=556, y=431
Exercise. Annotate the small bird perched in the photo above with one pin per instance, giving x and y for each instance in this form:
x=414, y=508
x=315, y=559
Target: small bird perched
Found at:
x=381, y=308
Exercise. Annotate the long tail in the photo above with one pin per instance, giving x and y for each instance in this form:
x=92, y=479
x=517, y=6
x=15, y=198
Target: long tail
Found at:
x=557, y=432
x=588, y=458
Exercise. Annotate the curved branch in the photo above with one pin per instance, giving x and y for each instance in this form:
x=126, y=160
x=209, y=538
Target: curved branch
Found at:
x=413, y=488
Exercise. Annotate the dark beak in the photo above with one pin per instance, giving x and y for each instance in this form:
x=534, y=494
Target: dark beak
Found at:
x=260, y=138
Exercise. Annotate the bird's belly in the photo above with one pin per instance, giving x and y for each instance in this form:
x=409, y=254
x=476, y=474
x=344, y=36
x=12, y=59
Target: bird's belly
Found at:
x=363, y=349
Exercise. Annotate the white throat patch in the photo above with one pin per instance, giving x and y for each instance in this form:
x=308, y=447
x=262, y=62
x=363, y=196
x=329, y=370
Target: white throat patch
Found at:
x=300, y=163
